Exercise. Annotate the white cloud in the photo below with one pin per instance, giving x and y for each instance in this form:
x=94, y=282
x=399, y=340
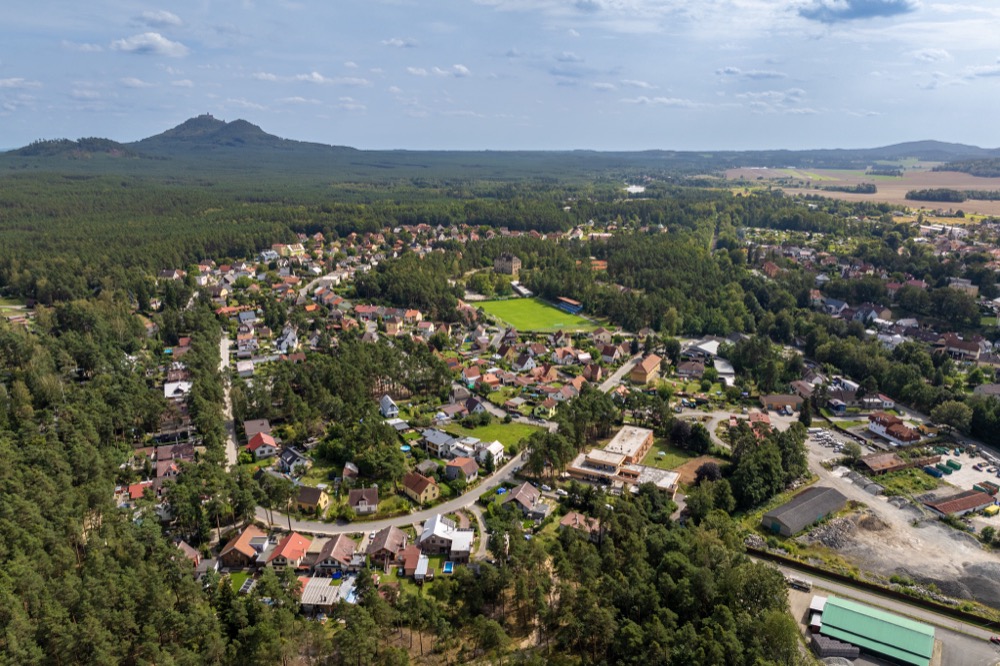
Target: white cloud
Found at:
x=398, y=43
x=931, y=55
x=603, y=86
x=245, y=104
x=298, y=100
x=183, y=83
x=417, y=71
x=750, y=74
x=83, y=47
x=150, y=43
x=460, y=70
x=19, y=83
x=350, y=64
x=985, y=71
x=350, y=104
x=314, y=77
x=572, y=33
x=85, y=95
x=159, y=19
x=633, y=83
x=663, y=101
x=394, y=90
x=568, y=56
x=132, y=82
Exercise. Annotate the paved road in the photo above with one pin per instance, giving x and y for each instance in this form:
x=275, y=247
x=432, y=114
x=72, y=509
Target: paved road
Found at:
x=304, y=291
x=962, y=644
x=482, y=552
x=615, y=379
x=232, y=454
x=505, y=473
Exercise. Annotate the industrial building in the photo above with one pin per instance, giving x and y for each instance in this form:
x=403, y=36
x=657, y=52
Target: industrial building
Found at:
x=810, y=506
x=874, y=631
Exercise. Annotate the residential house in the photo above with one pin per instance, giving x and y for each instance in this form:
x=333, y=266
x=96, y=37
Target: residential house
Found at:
x=528, y=499
x=779, y=402
x=336, y=553
x=388, y=408
x=546, y=409
x=494, y=449
x=262, y=446
x=312, y=500
x=462, y=468
x=292, y=461
x=610, y=353
x=442, y=536
x=601, y=336
x=290, y=552
x=437, y=442
x=387, y=545
x=587, y=526
x=363, y=501
x=251, y=428
x=508, y=264
x=243, y=549
x=691, y=370
x=419, y=488
x=646, y=370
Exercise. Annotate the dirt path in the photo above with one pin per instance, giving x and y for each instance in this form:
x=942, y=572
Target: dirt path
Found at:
x=227, y=410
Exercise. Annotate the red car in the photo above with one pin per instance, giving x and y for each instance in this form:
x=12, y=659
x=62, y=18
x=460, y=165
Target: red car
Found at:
x=995, y=639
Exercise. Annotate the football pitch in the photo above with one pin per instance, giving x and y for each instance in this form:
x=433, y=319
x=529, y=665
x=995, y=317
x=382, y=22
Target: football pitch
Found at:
x=532, y=314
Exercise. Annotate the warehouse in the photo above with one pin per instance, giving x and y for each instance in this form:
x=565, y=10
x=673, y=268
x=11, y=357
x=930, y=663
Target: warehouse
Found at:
x=964, y=502
x=810, y=506
x=883, y=634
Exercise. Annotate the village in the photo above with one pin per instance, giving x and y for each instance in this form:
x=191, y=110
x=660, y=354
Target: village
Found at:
x=469, y=452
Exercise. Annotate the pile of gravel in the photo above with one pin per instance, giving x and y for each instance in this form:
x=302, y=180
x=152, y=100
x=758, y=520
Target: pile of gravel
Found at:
x=834, y=534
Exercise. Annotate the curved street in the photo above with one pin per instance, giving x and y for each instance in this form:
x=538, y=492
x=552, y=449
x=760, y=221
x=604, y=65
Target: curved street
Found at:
x=505, y=473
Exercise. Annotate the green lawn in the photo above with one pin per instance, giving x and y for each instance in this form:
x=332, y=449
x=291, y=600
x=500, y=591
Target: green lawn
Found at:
x=675, y=457
x=505, y=433
x=237, y=578
x=532, y=314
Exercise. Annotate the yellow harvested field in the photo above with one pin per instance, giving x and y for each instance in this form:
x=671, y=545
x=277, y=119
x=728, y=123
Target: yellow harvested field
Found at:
x=890, y=190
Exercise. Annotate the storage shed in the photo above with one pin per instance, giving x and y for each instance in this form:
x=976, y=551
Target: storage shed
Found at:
x=808, y=507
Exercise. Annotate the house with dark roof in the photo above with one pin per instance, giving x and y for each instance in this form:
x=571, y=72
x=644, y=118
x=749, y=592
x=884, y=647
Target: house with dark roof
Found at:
x=363, y=501
x=810, y=506
x=254, y=426
x=528, y=499
x=387, y=545
x=336, y=553
x=419, y=488
x=293, y=461
x=311, y=499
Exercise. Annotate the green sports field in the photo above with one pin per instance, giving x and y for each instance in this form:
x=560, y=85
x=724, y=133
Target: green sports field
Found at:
x=532, y=314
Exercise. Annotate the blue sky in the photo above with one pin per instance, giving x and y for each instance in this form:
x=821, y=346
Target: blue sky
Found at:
x=508, y=74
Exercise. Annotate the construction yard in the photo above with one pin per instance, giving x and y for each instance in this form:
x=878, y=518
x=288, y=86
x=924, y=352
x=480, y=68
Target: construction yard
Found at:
x=894, y=536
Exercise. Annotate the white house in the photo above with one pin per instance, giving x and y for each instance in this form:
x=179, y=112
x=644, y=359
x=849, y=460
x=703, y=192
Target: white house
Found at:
x=388, y=407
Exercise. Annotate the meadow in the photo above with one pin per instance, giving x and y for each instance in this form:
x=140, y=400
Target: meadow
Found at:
x=532, y=314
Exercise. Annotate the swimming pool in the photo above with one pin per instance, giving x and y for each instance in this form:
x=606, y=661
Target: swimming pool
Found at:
x=448, y=567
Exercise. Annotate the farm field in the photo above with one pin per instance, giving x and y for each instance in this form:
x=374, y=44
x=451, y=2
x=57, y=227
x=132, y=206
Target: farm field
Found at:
x=532, y=314
x=891, y=190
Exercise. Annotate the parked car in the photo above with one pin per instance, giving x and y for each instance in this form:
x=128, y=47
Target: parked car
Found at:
x=546, y=488
x=995, y=639
x=561, y=492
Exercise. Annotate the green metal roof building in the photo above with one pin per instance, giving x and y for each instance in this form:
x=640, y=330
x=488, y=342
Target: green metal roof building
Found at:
x=876, y=631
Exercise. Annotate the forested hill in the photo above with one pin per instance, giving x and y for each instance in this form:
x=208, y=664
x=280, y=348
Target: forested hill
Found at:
x=206, y=145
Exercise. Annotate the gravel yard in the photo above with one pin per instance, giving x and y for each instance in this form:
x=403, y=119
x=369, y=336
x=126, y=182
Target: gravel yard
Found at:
x=892, y=536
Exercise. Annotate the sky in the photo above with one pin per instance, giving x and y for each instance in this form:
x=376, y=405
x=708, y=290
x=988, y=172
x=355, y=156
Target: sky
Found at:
x=508, y=74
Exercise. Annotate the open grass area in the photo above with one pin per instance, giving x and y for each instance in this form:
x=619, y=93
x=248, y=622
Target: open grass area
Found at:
x=908, y=482
x=533, y=314
x=505, y=433
x=237, y=578
x=673, y=458
x=6, y=302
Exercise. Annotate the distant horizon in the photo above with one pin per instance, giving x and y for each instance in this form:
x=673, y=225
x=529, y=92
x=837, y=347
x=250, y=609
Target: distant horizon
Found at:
x=606, y=75
x=497, y=150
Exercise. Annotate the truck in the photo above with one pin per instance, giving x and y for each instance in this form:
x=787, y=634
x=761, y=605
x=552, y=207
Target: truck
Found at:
x=944, y=469
x=933, y=471
x=798, y=583
x=954, y=464
x=990, y=487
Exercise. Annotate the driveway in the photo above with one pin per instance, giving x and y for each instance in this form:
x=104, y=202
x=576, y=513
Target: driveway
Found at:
x=505, y=473
x=616, y=379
